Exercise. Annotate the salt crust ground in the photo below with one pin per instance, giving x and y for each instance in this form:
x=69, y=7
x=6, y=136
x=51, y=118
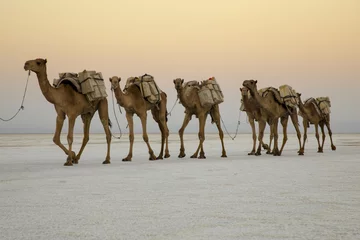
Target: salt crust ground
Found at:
x=316, y=196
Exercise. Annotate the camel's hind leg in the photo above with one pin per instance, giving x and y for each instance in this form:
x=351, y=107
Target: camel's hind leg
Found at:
x=59, y=124
x=186, y=121
x=274, y=130
x=253, y=130
x=215, y=114
x=143, y=118
x=305, y=124
x=130, y=120
x=321, y=124
x=104, y=118
x=201, y=135
x=330, y=135
x=86, y=118
x=269, y=151
x=295, y=121
x=262, y=125
x=159, y=116
x=317, y=137
x=284, y=123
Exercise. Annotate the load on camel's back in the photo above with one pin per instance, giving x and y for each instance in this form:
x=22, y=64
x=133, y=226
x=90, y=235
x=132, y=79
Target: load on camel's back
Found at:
x=289, y=96
x=148, y=87
x=89, y=83
x=210, y=93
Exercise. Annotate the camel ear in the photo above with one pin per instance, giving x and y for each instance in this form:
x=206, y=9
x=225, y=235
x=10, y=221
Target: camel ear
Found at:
x=255, y=81
x=182, y=81
x=110, y=79
x=45, y=61
x=240, y=89
x=174, y=81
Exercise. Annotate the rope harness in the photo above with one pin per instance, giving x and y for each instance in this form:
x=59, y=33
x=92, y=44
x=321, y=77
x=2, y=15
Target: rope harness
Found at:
x=117, y=121
x=22, y=102
x=169, y=113
x=237, y=127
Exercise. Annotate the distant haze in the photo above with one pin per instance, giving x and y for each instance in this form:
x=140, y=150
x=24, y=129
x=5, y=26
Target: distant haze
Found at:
x=312, y=45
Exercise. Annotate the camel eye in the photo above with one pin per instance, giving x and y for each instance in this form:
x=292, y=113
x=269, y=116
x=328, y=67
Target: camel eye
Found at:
x=38, y=63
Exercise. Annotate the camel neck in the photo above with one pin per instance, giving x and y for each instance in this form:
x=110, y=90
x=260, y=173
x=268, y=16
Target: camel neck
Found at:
x=259, y=99
x=47, y=90
x=120, y=96
x=302, y=107
x=180, y=94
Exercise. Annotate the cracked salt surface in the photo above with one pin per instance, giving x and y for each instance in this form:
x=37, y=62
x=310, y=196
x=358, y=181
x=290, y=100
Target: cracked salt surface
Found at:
x=316, y=196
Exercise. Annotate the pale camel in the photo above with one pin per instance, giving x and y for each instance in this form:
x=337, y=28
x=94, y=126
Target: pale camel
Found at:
x=311, y=115
x=191, y=103
x=254, y=113
x=68, y=102
x=134, y=103
x=274, y=111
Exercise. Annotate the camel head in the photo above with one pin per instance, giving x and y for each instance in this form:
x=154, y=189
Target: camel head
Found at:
x=250, y=85
x=115, y=82
x=178, y=83
x=244, y=91
x=36, y=65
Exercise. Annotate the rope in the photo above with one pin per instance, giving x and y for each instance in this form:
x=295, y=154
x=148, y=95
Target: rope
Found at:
x=117, y=121
x=22, y=102
x=169, y=113
x=237, y=127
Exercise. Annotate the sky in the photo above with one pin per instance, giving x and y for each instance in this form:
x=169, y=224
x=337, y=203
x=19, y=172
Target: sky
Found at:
x=311, y=45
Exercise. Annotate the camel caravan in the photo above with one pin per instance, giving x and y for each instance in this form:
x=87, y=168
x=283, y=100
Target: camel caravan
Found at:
x=84, y=93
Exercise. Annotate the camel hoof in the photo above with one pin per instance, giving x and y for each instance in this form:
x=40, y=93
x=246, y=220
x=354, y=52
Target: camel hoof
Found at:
x=265, y=146
x=333, y=148
x=202, y=157
x=251, y=153
x=152, y=158
x=159, y=158
x=68, y=163
x=106, y=162
x=126, y=159
x=224, y=156
x=167, y=155
x=193, y=156
x=269, y=152
x=181, y=155
x=257, y=154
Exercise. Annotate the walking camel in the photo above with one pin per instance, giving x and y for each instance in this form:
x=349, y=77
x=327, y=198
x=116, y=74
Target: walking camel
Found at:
x=275, y=110
x=191, y=103
x=312, y=115
x=68, y=102
x=134, y=103
x=254, y=113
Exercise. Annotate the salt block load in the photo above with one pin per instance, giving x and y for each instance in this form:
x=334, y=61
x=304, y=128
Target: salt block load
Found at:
x=324, y=104
x=288, y=94
x=148, y=87
x=92, y=85
x=210, y=93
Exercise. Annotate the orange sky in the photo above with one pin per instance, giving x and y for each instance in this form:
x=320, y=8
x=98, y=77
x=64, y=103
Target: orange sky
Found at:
x=313, y=46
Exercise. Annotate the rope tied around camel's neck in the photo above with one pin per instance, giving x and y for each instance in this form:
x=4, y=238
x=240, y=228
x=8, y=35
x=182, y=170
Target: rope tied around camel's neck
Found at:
x=22, y=102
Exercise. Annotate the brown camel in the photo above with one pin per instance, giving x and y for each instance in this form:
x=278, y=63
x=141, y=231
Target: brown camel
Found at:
x=134, y=103
x=254, y=113
x=275, y=110
x=68, y=102
x=312, y=115
x=192, y=105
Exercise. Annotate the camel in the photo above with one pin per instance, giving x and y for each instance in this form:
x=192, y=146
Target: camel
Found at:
x=254, y=113
x=68, y=102
x=191, y=103
x=311, y=115
x=275, y=110
x=134, y=103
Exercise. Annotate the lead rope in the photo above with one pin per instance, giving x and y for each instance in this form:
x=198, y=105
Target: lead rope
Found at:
x=117, y=121
x=22, y=102
x=169, y=113
x=237, y=127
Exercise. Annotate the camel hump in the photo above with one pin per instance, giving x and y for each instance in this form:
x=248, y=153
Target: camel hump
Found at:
x=68, y=78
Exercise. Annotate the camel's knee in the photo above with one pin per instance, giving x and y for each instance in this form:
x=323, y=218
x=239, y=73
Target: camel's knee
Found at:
x=70, y=139
x=146, y=138
x=181, y=131
x=131, y=137
x=86, y=139
x=317, y=135
x=201, y=136
x=56, y=140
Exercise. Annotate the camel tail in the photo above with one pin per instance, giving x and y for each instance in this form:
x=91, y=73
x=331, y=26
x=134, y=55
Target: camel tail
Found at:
x=166, y=115
x=110, y=123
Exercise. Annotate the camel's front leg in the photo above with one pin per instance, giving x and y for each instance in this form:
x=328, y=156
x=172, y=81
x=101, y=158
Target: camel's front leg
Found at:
x=295, y=121
x=129, y=117
x=284, y=123
x=253, y=130
x=274, y=127
x=330, y=135
x=305, y=124
x=323, y=134
x=317, y=137
x=186, y=121
x=215, y=113
x=201, y=135
x=271, y=140
x=70, y=138
x=104, y=118
x=145, y=136
x=56, y=139
x=262, y=125
x=86, y=118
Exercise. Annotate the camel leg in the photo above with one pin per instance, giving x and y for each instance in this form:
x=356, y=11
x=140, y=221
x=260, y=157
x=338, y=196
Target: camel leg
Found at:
x=284, y=123
x=215, y=114
x=201, y=135
x=305, y=124
x=104, y=118
x=253, y=130
x=330, y=134
x=160, y=117
x=130, y=120
x=145, y=136
x=295, y=121
x=70, y=138
x=323, y=134
x=56, y=139
x=271, y=140
x=317, y=137
x=274, y=126
x=186, y=121
x=86, y=118
x=262, y=126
